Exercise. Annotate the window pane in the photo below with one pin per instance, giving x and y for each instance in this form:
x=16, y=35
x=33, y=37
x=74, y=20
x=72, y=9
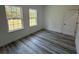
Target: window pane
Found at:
x=33, y=17
x=8, y=12
x=18, y=12
x=13, y=11
x=14, y=17
x=17, y=24
x=11, y=24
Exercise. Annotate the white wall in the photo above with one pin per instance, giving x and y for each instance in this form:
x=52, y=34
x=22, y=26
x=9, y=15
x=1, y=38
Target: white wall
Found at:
x=54, y=19
x=54, y=16
x=6, y=37
x=77, y=37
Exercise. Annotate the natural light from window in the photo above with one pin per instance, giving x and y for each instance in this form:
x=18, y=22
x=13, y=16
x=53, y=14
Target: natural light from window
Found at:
x=32, y=17
x=14, y=17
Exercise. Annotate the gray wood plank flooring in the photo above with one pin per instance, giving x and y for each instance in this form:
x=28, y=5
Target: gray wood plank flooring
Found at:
x=42, y=42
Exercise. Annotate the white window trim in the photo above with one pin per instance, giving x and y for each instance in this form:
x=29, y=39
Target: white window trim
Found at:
x=21, y=21
x=36, y=18
x=15, y=30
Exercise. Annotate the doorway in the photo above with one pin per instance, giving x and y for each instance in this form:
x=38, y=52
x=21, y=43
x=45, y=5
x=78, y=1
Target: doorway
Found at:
x=70, y=22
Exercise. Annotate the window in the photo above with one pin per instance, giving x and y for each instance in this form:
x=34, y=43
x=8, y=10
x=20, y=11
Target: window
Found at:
x=14, y=17
x=32, y=17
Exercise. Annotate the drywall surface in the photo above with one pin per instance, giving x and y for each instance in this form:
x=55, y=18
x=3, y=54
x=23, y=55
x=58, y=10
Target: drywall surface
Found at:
x=77, y=37
x=54, y=16
x=7, y=37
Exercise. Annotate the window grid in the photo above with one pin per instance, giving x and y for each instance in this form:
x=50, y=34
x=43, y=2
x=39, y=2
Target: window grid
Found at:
x=32, y=17
x=14, y=18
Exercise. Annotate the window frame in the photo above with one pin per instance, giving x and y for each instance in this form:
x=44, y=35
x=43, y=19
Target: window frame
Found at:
x=34, y=17
x=21, y=12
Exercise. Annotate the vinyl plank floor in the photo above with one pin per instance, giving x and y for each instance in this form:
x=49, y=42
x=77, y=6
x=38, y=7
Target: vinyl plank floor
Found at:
x=42, y=42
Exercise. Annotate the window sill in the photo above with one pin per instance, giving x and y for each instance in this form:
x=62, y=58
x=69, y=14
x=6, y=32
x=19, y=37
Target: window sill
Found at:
x=15, y=30
x=32, y=26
